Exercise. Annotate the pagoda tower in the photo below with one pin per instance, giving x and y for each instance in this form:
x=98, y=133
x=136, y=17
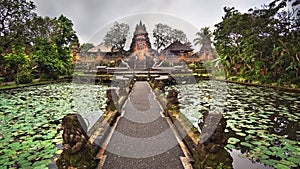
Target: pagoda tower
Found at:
x=140, y=44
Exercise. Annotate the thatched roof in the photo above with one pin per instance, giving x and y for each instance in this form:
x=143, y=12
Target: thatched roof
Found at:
x=102, y=48
x=178, y=47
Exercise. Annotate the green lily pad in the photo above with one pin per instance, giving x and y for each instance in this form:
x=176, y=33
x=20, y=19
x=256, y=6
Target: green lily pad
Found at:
x=264, y=157
x=276, y=149
x=294, y=160
x=257, y=143
x=248, y=137
x=230, y=146
x=288, y=163
x=58, y=151
x=41, y=164
x=241, y=134
x=24, y=155
x=246, y=144
x=281, y=166
x=250, y=131
x=233, y=140
x=268, y=162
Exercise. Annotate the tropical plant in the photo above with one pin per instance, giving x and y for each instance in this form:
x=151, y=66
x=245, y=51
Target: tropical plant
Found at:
x=261, y=45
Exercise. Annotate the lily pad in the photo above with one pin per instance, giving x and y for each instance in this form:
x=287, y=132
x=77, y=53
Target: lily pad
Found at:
x=281, y=166
x=230, y=146
x=233, y=140
x=241, y=134
x=246, y=144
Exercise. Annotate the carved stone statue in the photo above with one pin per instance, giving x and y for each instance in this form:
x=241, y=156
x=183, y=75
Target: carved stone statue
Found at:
x=172, y=99
x=210, y=152
x=77, y=152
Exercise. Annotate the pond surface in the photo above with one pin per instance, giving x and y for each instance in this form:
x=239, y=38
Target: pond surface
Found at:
x=30, y=120
x=263, y=124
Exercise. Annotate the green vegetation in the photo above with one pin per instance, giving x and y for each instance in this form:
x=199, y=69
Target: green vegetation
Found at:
x=164, y=35
x=84, y=49
x=261, y=45
x=33, y=46
x=116, y=36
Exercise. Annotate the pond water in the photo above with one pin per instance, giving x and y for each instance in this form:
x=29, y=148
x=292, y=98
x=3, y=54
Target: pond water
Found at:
x=263, y=124
x=30, y=120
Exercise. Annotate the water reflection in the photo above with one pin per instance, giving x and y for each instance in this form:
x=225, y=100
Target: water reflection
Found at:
x=244, y=163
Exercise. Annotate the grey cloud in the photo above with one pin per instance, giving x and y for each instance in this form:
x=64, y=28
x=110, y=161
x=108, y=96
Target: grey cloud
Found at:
x=89, y=16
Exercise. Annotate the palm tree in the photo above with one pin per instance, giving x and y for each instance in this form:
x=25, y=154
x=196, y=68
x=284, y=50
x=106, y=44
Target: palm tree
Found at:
x=204, y=40
x=204, y=37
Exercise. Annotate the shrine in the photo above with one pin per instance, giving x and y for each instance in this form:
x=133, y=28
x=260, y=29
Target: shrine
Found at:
x=140, y=44
x=140, y=48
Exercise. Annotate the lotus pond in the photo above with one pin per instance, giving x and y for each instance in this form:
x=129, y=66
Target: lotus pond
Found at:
x=263, y=124
x=30, y=120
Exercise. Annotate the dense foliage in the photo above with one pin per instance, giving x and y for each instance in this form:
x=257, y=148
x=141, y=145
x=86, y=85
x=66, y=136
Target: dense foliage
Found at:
x=33, y=46
x=261, y=45
x=84, y=48
x=164, y=35
x=116, y=36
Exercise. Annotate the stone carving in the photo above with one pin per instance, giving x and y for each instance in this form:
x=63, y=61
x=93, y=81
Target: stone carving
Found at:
x=110, y=103
x=161, y=86
x=210, y=152
x=172, y=100
x=77, y=152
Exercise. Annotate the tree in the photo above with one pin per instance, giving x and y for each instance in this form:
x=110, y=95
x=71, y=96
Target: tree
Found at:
x=178, y=35
x=204, y=37
x=51, y=41
x=261, y=45
x=63, y=34
x=29, y=42
x=14, y=20
x=116, y=36
x=161, y=35
x=164, y=35
x=63, y=37
x=48, y=60
x=41, y=28
x=18, y=62
x=85, y=47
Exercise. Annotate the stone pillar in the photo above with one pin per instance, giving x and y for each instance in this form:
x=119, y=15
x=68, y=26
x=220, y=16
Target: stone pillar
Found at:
x=77, y=152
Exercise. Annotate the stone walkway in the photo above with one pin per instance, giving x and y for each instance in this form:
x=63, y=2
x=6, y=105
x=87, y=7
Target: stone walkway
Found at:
x=142, y=137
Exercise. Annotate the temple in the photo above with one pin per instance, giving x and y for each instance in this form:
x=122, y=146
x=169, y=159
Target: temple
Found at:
x=141, y=56
x=140, y=44
x=140, y=47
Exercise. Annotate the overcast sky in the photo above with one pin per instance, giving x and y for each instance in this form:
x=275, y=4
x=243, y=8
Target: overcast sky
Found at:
x=92, y=18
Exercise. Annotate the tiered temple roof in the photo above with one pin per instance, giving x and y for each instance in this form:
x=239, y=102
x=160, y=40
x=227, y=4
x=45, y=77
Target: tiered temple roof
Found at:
x=102, y=48
x=140, y=31
x=177, y=47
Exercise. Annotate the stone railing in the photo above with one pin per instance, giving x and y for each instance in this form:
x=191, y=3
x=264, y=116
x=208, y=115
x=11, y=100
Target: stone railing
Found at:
x=207, y=152
x=79, y=150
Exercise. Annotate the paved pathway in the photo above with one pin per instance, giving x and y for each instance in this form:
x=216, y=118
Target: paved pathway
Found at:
x=143, y=137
